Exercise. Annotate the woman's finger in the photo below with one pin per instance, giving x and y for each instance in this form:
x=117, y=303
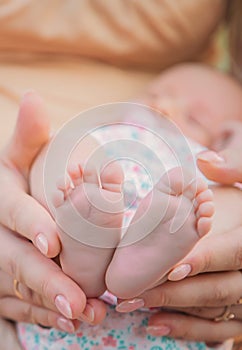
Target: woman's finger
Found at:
x=6, y=284
x=23, y=214
x=95, y=309
x=225, y=166
x=100, y=311
x=30, y=134
x=10, y=289
x=25, y=311
x=13, y=288
x=30, y=297
x=21, y=311
x=181, y=326
x=52, y=287
x=210, y=313
x=19, y=211
x=211, y=290
x=208, y=255
x=21, y=260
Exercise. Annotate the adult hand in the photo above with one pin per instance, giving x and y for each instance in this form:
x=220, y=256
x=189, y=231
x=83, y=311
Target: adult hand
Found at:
x=225, y=166
x=195, y=304
x=20, y=213
x=208, y=293
x=45, y=289
x=213, y=267
x=20, y=303
x=18, y=210
x=197, y=300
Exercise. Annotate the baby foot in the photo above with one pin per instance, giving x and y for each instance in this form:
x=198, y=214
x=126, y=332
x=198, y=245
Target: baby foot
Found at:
x=89, y=215
x=182, y=214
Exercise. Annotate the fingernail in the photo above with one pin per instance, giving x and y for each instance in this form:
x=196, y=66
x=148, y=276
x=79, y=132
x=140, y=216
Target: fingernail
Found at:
x=42, y=243
x=158, y=330
x=210, y=157
x=130, y=305
x=179, y=272
x=63, y=306
x=88, y=314
x=65, y=325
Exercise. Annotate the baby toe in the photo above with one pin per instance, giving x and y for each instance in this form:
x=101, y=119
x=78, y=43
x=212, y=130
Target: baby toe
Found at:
x=64, y=185
x=204, y=225
x=194, y=188
x=90, y=174
x=58, y=198
x=204, y=196
x=202, y=185
x=112, y=176
x=205, y=209
x=76, y=174
x=174, y=181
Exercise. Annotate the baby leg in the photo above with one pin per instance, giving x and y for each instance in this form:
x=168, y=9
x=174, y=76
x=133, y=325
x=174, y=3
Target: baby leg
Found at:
x=97, y=209
x=184, y=213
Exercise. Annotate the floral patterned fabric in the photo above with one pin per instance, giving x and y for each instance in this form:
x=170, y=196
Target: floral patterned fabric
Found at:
x=118, y=331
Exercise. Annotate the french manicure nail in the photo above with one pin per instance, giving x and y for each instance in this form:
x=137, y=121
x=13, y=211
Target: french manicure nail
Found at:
x=130, y=305
x=63, y=306
x=210, y=157
x=88, y=314
x=158, y=330
x=65, y=325
x=42, y=243
x=180, y=272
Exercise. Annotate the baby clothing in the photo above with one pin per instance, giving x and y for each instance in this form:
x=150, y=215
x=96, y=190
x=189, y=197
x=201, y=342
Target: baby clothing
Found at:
x=117, y=331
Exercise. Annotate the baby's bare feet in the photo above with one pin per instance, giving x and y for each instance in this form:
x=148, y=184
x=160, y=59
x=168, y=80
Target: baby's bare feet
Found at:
x=89, y=214
x=184, y=214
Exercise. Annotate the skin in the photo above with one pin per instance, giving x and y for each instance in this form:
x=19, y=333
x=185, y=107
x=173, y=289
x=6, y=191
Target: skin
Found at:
x=216, y=311
x=44, y=281
x=192, y=327
x=148, y=257
x=181, y=93
x=207, y=286
x=222, y=289
x=219, y=312
x=80, y=261
x=224, y=165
